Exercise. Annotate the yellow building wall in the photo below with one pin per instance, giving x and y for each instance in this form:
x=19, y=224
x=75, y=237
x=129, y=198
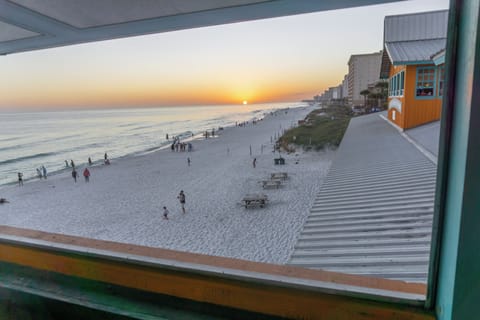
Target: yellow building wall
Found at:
x=415, y=111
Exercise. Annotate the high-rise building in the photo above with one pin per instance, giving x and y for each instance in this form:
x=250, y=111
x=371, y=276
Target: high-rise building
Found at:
x=345, y=86
x=363, y=69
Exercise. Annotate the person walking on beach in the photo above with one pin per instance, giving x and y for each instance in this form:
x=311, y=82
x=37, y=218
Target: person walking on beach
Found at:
x=181, y=198
x=72, y=164
x=39, y=173
x=86, y=175
x=254, y=162
x=188, y=161
x=166, y=137
x=90, y=161
x=165, y=213
x=66, y=164
x=74, y=175
x=44, y=171
x=20, y=179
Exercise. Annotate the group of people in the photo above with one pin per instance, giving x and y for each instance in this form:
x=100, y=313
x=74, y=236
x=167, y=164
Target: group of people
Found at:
x=42, y=172
x=207, y=134
x=181, y=198
x=181, y=146
x=86, y=174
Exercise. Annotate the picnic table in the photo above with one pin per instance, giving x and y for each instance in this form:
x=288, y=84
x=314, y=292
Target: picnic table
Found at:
x=255, y=199
x=279, y=175
x=274, y=183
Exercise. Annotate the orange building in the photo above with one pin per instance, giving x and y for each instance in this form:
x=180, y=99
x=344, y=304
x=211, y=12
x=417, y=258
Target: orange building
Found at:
x=413, y=63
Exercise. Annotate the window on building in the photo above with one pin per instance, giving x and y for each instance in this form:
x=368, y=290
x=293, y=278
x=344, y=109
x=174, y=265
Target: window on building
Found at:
x=425, y=82
x=441, y=79
x=397, y=85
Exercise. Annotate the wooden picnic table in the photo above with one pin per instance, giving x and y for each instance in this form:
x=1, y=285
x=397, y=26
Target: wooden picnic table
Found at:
x=253, y=200
x=279, y=175
x=274, y=183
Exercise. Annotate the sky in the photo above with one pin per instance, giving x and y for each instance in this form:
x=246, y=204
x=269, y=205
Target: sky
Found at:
x=273, y=60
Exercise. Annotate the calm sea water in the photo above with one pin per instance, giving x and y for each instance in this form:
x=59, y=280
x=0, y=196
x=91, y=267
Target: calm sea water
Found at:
x=30, y=140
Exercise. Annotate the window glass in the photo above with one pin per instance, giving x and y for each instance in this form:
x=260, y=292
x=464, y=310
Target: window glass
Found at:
x=425, y=82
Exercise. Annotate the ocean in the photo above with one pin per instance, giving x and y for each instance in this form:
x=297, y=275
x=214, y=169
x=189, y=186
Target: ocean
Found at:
x=29, y=140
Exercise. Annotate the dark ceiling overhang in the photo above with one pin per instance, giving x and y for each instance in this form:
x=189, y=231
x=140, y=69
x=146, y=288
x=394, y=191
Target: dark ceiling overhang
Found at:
x=37, y=24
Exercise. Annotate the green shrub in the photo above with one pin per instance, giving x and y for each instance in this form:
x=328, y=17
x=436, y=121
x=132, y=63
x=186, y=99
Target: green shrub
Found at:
x=322, y=128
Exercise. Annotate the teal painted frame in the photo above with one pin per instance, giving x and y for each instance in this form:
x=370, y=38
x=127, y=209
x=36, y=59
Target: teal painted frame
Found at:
x=454, y=275
x=397, y=85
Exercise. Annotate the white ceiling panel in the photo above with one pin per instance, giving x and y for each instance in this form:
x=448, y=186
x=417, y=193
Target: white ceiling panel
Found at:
x=94, y=13
x=67, y=22
x=9, y=32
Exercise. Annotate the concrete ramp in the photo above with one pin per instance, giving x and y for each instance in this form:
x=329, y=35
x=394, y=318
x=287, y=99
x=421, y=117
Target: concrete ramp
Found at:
x=373, y=214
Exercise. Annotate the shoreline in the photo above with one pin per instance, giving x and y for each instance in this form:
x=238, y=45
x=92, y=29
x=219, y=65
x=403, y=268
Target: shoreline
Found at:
x=164, y=145
x=123, y=201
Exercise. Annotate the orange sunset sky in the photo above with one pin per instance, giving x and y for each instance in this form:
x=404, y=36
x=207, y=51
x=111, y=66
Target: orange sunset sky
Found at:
x=274, y=60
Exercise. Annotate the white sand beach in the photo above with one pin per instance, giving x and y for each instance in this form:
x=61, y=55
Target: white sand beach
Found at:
x=123, y=201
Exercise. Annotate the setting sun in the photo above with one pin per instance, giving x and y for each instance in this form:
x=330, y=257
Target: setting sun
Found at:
x=245, y=102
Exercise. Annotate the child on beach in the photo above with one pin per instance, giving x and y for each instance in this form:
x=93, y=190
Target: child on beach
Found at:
x=44, y=171
x=254, y=162
x=90, y=161
x=86, y=174
x=181, y=198
x=165, y=213
x=188, y=161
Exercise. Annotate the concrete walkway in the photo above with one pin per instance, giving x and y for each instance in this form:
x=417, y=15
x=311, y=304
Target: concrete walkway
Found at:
x=373, y=214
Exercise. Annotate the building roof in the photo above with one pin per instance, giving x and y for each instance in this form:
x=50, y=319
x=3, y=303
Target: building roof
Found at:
x=414, y=52
x=29, y=24
x=373, y=214
x=416, y=26
x=413, y=38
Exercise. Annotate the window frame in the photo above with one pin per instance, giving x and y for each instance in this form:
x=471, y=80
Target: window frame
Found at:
x=417, y=81
x=397, y=84
x=452, y=138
